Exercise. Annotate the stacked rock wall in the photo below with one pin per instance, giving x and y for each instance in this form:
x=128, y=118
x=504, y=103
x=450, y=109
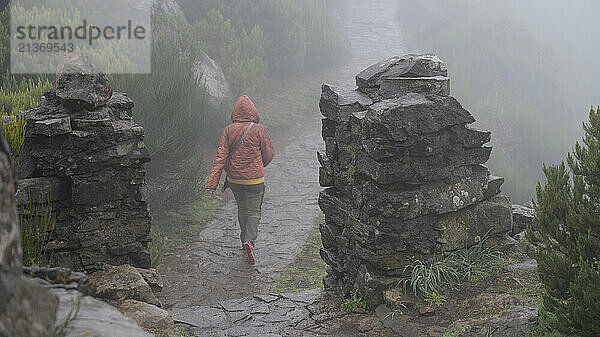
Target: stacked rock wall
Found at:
x=405, y=175
x=84, y=155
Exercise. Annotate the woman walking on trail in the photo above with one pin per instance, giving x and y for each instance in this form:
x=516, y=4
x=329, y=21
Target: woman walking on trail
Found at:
x=245, y=148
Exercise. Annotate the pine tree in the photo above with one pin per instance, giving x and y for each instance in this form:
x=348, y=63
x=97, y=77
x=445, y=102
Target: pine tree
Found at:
x=566, y=233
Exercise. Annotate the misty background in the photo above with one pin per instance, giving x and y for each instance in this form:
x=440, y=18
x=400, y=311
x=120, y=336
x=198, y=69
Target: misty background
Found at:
x=528, y=71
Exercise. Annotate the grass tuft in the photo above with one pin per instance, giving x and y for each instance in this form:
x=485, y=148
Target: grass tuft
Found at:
x=448, y=272
x=37, y=222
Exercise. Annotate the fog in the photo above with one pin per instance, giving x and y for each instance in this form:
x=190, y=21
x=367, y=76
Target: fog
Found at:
x=528, y=72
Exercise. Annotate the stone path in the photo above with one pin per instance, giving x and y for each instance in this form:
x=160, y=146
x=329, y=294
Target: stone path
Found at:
x=208, y=286
x=212, y=268
x=306, y=314
x=264, y=315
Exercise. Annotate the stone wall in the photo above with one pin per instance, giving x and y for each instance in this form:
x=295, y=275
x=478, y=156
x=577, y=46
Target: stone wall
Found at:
x=84, y=154
x=404, y=175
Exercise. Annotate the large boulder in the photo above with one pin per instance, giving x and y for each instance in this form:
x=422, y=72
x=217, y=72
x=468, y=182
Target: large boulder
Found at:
x=116, y=284
x=151, y=317
x=79, y=315
x=26, y=308
x=81, y=84
x=514, y=322
x=208, y=73
x=408, y=66
x=210, y=76
x=523, y=217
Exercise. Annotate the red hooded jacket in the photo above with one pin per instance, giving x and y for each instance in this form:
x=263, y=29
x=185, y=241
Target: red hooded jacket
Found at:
x=255, y=152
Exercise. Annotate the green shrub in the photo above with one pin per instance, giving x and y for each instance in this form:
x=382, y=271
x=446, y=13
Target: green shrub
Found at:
x=254, y=39
x=543, y=327
x=566, y=232
x=112, y=57
x=170, y=105
x=37, y=221
x=240, y=54
x=14, y=127
x=353, y=302
x=20, y=95
x=15, y=98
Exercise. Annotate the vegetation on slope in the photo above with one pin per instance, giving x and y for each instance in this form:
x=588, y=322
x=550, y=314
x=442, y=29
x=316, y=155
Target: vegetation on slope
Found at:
x=566, y=232
x=258, y=39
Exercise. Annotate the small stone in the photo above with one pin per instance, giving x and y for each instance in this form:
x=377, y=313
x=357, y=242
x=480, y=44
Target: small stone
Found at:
x=201, y=317
x=307, y=296
x=360, y=310
x=426, y=311
x=43, y=189
x=522, y=216
x=368, y=323
x=527, y=264
x=267, y=298
x=120, y=101
x=494, y=185
x=514, y=322
x=119, y=283
x=338, y=104
x=153, y=278
x=397, y=86
x=396, y=298
x=234, y=305
x=52, y=127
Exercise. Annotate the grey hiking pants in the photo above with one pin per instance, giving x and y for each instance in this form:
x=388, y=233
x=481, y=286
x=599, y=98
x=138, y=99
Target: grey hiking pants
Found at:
x=249, y=199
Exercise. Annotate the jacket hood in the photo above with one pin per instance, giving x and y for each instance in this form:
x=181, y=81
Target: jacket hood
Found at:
x=245, y=111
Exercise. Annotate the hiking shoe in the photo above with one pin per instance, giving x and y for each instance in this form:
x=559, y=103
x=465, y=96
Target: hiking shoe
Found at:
x=249, y=249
